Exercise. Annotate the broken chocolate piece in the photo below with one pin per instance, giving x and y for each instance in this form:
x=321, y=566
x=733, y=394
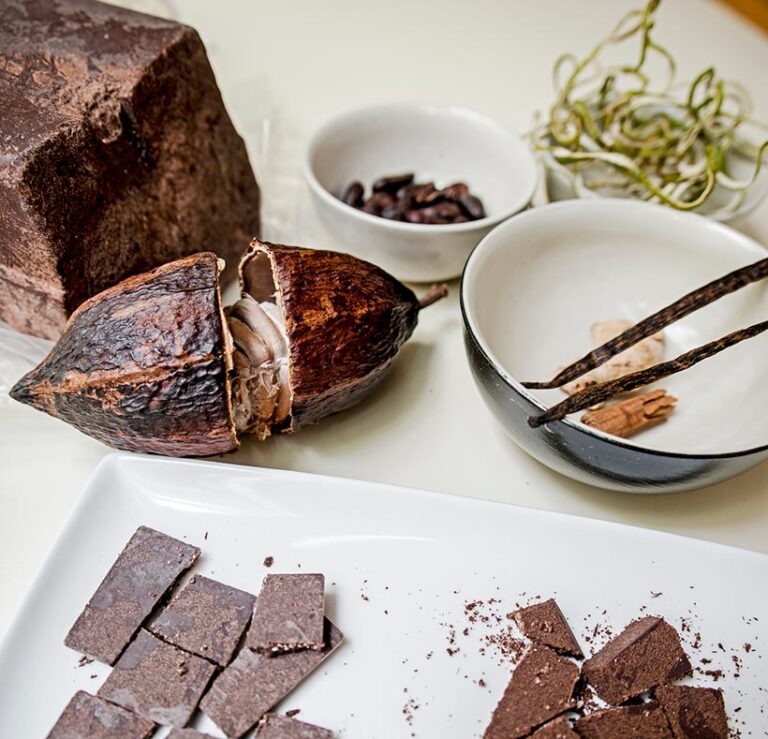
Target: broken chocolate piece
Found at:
x=160, y=682
x=274, y=726
x=544, y=623
x=112, y=134
x=148, y=566
x=559, y=728
x=206, y=618
x=254, y=683
x=289, y=614
x=644, y=721
x=541, y=688
x=188, y=734
x=646, y=654
x=89, y=716
x=694, y=713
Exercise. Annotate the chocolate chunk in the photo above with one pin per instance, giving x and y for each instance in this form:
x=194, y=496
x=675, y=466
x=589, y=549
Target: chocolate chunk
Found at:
x=393, y=183
x=646, y=654
x=694, y=713
x=89, y=716
x=188, y=734
x=282, y=727
x=254, y=683
x=353, y=195
x=148, y=566
x=206, y=618
x=644, y=721
x=288, y=614
x=544, y=623
x=455, y=191
x=112, y=134
x=160, y=682
x=559, y=728
x=541, y=688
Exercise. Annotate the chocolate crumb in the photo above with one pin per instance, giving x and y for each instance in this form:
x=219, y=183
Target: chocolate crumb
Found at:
x=269, y=561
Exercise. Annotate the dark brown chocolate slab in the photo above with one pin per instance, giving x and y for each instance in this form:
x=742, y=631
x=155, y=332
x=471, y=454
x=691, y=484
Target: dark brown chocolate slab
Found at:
x=206, y=618
x=544, y=623
x=160, y=682
x=289, y=614
x=131, y=101
x=541, y=688
x=644, y=721
x=694, y=713
x=188, y=734
x=646, y=654
x=254, y=683
x=89, y=716
x=148, y=566
x=559, y=728
x=274, y=726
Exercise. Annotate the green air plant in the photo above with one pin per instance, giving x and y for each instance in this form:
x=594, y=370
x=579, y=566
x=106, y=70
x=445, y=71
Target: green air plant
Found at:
x=612, y=131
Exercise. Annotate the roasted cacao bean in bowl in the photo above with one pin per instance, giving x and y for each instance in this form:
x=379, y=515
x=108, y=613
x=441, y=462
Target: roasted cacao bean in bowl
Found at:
x=534, y=286
x=439, y=144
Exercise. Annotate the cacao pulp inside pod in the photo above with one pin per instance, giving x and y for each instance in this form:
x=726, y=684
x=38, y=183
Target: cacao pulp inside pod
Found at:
x=153, y=365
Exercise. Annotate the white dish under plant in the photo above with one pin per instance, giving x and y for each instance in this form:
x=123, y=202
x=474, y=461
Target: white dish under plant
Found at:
x=623, y=130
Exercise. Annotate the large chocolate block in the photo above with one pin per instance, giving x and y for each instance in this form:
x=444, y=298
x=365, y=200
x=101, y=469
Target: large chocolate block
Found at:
x=116, y=155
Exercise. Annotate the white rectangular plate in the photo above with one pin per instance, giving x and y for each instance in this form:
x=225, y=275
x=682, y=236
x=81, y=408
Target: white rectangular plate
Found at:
x=400, y=567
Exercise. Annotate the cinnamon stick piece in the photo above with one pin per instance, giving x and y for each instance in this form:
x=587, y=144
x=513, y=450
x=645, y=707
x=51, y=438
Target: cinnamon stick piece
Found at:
x=654, y=323
x=605, y=390
x=628, y=417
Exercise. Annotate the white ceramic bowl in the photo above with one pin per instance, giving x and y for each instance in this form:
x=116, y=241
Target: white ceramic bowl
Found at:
x=440, y=144
x=533, y=287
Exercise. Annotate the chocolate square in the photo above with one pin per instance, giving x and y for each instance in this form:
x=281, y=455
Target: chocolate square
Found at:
x=545, y=624
x=206, y=618
x=646, y=654
x=89, y=716
x=288, y=614
x=254, y=683
x=559, y=728
x=541, y=688
x=645, y=720
x=160, y=682
x=148, y=566
x=694, y=712
x=274, y=726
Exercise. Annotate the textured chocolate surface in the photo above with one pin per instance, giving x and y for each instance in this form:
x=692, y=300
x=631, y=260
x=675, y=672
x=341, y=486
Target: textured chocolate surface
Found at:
x=333, y=300
x=283, y=727
x=89, y=716
x=206, y=618
x=288, y=614
x=541, y=688
x=559, y=728
x=646, y=654
x=694, y=713
x=155, y=680
x=116, y=155
x=254, y=683
x=143, y=365
x=645, y=721
x=188, y=734
x=544, y=623
x=148, y=566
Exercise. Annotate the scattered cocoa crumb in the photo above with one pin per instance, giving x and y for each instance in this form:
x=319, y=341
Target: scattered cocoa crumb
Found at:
x=269, y=561
x=205, y=536
x=83, y=661
x=481, y=682
x=656, y=595
x=293, y=712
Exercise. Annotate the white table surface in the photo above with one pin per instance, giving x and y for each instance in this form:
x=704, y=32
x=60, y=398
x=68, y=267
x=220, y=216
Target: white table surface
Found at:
x=298, y=61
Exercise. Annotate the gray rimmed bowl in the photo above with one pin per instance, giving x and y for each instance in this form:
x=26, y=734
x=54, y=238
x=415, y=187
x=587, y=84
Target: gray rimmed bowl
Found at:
x=529, y=294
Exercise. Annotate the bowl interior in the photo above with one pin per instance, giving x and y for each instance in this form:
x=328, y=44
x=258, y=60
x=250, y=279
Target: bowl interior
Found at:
x=535, y=285
x=438, y=144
